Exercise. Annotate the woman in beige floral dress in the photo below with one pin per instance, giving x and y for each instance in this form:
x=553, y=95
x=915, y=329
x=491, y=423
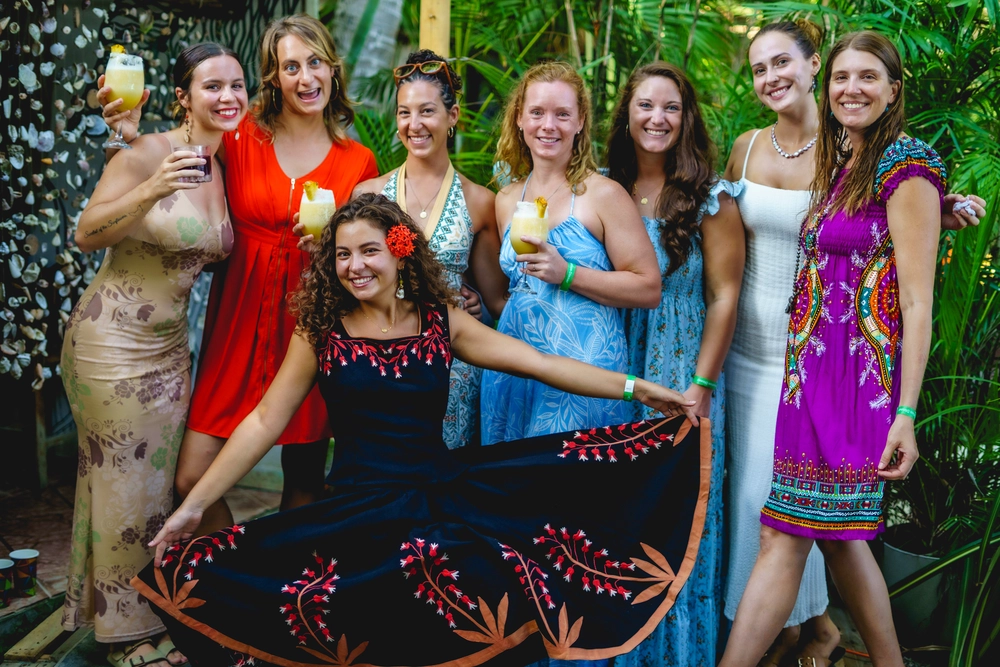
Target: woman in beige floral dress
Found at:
x=125, y=360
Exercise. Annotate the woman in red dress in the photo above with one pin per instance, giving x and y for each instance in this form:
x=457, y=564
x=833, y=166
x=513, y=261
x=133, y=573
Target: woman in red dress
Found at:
x=296, y=134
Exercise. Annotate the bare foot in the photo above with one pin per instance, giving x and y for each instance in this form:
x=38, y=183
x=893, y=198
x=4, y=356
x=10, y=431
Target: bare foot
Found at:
x=141, y=653
x=171, y=652
x=781, y=648
x=822, y=639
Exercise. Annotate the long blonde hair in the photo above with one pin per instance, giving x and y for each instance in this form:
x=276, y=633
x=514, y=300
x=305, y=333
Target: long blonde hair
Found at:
x=512, y=149
x=339, y=112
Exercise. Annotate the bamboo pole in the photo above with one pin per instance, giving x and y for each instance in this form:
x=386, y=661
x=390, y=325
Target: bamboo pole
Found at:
x=312, y=8
x=435, y=26
x=573, y=41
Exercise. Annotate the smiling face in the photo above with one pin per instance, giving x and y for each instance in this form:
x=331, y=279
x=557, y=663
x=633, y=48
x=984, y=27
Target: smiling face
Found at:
x=217, y=95
x=422, y=119
x=860, y=91
x=365, y=267
x=655, y=115
x=305, y=79
x=782, y=75
x=550, y=119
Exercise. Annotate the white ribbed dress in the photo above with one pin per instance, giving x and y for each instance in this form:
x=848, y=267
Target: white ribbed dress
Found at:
x=754, y=372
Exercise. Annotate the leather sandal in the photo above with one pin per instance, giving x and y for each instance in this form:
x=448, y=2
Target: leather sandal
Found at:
x=835, y=657
x=166, y=647
x=126, y=657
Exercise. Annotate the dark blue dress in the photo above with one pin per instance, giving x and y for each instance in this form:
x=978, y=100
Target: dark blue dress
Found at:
x=569, y=545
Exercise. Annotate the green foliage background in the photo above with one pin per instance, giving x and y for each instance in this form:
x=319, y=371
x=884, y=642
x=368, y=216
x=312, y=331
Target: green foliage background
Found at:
x=952, y=55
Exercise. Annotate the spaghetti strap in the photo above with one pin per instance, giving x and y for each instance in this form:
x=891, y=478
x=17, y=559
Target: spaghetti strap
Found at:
x=525, y=188
x=572, y=202
x=746, y=158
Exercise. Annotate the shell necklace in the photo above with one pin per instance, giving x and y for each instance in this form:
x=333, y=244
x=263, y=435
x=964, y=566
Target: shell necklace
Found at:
x=790, y=156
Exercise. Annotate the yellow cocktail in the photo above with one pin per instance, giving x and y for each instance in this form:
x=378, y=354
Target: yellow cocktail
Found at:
x=531, y=218
x=316, y=209
x=125, y=75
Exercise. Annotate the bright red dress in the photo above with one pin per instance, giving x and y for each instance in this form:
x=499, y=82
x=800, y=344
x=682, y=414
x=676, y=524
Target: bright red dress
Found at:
x=248, y=327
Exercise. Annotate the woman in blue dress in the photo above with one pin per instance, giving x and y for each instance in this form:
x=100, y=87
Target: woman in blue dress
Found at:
x=660, y=151
x=596, y=261
x=424, y=555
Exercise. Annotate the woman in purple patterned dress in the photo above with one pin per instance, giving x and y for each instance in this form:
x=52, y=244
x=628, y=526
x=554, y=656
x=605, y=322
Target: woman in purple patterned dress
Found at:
x=845, y=423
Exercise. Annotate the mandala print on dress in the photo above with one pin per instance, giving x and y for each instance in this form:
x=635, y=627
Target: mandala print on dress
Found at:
x=876, y=307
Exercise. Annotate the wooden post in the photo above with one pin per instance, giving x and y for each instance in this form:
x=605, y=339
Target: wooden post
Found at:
x=435, y=26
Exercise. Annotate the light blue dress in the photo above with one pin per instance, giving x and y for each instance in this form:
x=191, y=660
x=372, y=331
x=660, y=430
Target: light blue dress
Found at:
x=663, y=347
x=555, y=322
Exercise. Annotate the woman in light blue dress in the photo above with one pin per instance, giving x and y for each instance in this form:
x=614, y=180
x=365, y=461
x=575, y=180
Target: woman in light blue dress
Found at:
x=597, y=259
x=659, y=150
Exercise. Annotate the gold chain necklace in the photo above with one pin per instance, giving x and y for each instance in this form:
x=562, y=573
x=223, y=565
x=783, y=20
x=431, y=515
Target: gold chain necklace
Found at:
x=643, y=199
x=423, y=209
x=387, y=329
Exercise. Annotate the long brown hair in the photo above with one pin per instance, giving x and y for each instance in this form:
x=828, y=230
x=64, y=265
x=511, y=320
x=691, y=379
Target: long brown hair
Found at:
x=339, y=112
x=833, y=149
x=322, y=298
x=688, y=166
x=511, y=147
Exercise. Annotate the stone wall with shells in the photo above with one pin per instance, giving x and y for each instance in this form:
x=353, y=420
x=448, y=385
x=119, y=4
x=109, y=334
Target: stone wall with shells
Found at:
x=51, y=53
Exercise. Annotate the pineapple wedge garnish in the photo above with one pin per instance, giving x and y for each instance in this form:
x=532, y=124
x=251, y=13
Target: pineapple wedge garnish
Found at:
x=541, y=204
x=310, y=188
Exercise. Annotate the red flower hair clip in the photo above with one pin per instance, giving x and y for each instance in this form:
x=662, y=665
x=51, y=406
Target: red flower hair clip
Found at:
x=399, y=240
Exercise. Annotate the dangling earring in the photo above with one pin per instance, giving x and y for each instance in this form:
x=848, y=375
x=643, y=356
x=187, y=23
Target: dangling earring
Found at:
x=187, y=128
x=886, y=108
x=336, y=83
x=626, y=131
x=451, y=131
x=400, y=293
x=812, y=88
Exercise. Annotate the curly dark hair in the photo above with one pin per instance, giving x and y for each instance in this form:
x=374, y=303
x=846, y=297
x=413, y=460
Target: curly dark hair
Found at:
x=688, y=167
x=322, y=298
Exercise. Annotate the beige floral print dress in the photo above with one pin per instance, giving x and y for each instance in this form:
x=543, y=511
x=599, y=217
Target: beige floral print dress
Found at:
x=126, y=366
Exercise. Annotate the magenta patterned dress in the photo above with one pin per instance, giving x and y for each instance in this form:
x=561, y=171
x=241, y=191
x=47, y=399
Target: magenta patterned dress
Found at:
x=840, y=393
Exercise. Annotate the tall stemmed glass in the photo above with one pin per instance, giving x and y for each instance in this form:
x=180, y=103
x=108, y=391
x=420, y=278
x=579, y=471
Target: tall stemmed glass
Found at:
x=125, y=75
x=531, y=218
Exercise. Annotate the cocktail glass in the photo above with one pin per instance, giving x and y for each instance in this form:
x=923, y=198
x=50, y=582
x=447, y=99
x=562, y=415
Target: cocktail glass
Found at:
x=125, y=75
x=527, y=222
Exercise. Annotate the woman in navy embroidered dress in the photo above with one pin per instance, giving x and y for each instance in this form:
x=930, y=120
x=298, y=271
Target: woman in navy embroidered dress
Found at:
x=426, y=556
x=852, y=378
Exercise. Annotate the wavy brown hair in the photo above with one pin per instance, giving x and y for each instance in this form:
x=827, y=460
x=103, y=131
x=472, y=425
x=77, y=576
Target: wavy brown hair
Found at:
x=688, y=166
x=321, y=298
x=188, y=61
x=339, y=112
x=833, y=149
x=511, y=147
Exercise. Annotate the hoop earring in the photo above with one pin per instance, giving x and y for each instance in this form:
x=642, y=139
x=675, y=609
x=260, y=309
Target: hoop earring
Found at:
x=451, y=131
x=187, y=128
x=336, y=82
x=400, y=293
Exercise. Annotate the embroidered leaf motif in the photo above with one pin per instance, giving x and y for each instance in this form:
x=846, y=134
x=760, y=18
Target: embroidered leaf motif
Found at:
x=184, y=591
x=648, y=568
x=657, y=558
x=650, y=592
x=473, y=636
x=502, y=615
x=191, y=603
x=631, y=440
x=491, y=622
x=322, y=656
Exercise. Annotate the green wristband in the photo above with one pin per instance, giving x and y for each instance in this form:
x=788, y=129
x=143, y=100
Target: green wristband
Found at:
x=906, y=411
x=704, y=382
x=568, y=278
x=629, y=385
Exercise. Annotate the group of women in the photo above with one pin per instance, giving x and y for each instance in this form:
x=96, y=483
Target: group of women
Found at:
x=656, y=274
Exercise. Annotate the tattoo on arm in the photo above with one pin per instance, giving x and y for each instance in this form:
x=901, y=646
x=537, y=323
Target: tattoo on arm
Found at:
x=114, y=221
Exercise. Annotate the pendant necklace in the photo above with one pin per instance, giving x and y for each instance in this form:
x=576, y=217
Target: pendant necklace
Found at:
x=423, y=209
x=643, y=199
x=386, y=330
x=789, y=156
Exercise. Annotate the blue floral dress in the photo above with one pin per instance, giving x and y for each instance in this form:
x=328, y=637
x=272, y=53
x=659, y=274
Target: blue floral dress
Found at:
x=555, y=322
x=449, y=235
x=663, y=347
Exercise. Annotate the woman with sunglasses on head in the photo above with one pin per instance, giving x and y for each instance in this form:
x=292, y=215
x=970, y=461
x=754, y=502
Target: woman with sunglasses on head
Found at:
x=455, y=215
x=857, y=345
x=776, y=167
x=596, y=260
x=295, y=133
x=660, y=151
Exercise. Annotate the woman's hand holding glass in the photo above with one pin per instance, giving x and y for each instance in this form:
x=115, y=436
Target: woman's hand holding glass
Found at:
x=126, y=121
x=174, y=173
x=545, y=263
